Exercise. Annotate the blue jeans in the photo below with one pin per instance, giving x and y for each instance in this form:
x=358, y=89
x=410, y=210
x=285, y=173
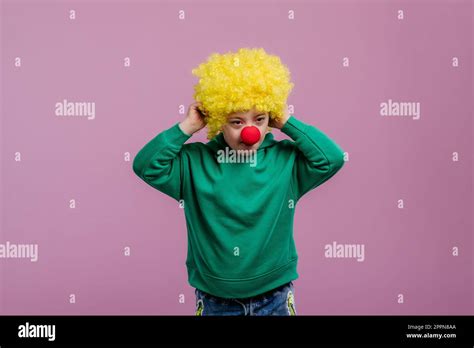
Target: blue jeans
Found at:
x=279, y=301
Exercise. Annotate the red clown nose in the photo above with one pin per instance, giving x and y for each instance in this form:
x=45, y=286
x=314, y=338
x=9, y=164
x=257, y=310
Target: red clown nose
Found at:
x=250, y=135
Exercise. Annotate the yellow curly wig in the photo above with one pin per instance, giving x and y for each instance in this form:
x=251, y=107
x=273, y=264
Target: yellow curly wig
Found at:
x=238, y=82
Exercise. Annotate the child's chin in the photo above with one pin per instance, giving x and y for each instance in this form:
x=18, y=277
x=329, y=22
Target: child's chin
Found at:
x=248, y=147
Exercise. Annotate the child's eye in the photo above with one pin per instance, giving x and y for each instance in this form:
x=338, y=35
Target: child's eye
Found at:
x=235, y=122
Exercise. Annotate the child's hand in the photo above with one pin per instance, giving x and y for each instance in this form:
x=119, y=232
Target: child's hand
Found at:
x=281, y=122
x=194, y=121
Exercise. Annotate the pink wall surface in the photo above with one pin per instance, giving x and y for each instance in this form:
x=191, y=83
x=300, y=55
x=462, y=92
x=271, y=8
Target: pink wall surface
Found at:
x=404, y=194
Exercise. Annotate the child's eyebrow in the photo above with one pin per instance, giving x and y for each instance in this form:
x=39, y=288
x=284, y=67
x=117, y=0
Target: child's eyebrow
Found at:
x=241, y=117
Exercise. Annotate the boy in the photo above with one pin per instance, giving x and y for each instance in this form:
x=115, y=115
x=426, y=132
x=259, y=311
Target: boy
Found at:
x=241, y=252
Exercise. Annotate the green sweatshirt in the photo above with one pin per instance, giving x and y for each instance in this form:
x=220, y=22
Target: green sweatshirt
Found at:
x=239, y=216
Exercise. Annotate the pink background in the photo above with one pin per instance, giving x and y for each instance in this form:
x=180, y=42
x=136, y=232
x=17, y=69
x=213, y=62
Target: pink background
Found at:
x=407, y=251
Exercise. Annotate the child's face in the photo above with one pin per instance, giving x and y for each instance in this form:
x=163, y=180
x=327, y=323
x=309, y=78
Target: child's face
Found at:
x=237, y=121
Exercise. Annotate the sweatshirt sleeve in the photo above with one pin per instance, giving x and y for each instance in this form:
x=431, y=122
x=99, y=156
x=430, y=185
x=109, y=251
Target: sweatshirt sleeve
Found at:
x=158, y=163
x=318, y=157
